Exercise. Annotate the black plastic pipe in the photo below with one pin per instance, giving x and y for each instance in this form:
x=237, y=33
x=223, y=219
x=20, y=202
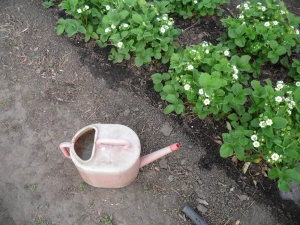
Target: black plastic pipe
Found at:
x=193, y=215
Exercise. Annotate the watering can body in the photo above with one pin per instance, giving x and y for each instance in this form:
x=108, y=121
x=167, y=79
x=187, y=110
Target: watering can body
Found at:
x=108, y=155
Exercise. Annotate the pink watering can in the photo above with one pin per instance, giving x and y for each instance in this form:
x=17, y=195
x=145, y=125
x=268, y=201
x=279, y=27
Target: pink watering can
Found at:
x=108, y=155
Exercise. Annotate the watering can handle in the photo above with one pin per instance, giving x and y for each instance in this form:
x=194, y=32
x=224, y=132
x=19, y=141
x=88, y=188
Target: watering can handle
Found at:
x=127, y=144
x=65, y=147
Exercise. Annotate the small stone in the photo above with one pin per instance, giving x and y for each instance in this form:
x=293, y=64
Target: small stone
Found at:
x=202, y=208
x=183, y=162
x=166, y=129
x=202, y=201
x=170, y=178
x=243, y=197
x=184, y=187
x=200, y=193
x=126, y=112
x=163, y=164
x=135, y=109
x=200, y=181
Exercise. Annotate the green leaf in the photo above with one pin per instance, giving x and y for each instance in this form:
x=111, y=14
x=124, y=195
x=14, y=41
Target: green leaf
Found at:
x=245, y=117
x=232, y=33
x=237, y=88
x=216, y=83
x=123, y=14
x=94, y=35
x=280, y=50
x=291, y=154
x=226, y=150
x=81, y=29
x=273, y=57
x=273, y=44
x=240, y=41
x=284, y=184
x=60, y=29
x=168, y=89
x=279, y=122
x=179, y=108
x=297, y=95
x=268, y=131
x=233, y=116
x=243, y=140
x=136, y=31
x=228, y=138
x=137, y=18
x=219, y=92
x=87, y=37
x=158, y=87
x=169, y=109
x=71, y=31
x=203, y=80
x=138, y=61
x=240, y=30
x=239, y=151
x=171, y=98
x=273, y=173
x=293, y=175
x=165, y=76
x=156, y=77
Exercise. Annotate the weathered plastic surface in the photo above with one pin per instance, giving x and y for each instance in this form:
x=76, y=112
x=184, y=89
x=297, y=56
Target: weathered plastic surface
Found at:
x=115, y=157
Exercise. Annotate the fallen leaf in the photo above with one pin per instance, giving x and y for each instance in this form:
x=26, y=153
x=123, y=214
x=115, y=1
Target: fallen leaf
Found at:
x=246, y=166
x=263, y=171
x=254, y=182
x=218, y=142
x=234, y=159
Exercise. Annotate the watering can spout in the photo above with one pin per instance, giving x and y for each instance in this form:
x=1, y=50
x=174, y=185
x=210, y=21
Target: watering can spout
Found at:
x=145, y=160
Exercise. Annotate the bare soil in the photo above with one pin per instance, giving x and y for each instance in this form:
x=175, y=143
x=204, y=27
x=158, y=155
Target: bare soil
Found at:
x=52, y=86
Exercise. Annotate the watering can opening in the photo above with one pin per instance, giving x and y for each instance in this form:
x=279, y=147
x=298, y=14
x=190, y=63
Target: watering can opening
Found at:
x=84, y=144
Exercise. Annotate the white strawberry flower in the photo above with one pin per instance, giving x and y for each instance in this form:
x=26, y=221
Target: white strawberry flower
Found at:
x=206, y=101
x=254, y=137
x=279, y=85
x=278, y=99
x=187, y=87
x=190, y=67
x=235, y=76
x=120, y=44
x=262, y=124
x=256, y=144
x=274, y=156
x=269, y=122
